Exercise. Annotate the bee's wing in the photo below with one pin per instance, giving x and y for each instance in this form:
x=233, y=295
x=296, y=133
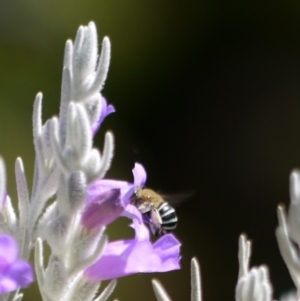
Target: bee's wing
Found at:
x=177, y=198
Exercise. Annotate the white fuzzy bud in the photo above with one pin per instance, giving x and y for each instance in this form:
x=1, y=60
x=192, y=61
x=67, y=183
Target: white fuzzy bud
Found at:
x=294, y=209
x=254, y=286
x=76, y=189
x=93, y=107
x=56, y=233
x=55, y=279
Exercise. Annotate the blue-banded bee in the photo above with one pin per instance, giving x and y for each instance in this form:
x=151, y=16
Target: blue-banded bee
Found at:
x=156, y=211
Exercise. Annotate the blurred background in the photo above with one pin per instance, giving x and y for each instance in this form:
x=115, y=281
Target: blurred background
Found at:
x=207, y=95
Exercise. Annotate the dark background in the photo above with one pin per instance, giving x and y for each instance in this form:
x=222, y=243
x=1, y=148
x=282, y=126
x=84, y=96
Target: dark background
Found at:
x=208, y=99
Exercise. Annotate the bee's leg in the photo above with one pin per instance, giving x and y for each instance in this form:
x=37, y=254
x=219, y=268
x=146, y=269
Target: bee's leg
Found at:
x=156, y=222
x=154, y=230
x=144, y=207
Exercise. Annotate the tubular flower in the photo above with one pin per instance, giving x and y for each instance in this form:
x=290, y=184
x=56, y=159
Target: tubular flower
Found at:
x=102, y=210
x=109, y=199
x=14, y=273
x=126, y=257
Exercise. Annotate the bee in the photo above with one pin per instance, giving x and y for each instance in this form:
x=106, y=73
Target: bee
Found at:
x=156, y=211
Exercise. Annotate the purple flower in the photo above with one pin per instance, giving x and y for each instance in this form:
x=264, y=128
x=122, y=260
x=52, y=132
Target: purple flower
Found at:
x=125, y=257
x=103, y=210
x=105, y=111
x=108, y=199
x=139, y=175
x=14, y=273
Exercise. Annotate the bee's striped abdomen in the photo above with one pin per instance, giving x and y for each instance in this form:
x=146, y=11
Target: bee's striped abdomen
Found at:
x=168, y=216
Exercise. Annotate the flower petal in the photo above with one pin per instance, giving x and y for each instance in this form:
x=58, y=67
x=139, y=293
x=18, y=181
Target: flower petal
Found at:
x=127, y=189
x=141, y=231
x=169, y=249
x=8, y=251
x=14, y=273
x=126, y=257
x=102, y=186
x=133, y=213
x=103, y=210
x=7, y=285
x=105, y=111
x=21, y=273
x=139, y=175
